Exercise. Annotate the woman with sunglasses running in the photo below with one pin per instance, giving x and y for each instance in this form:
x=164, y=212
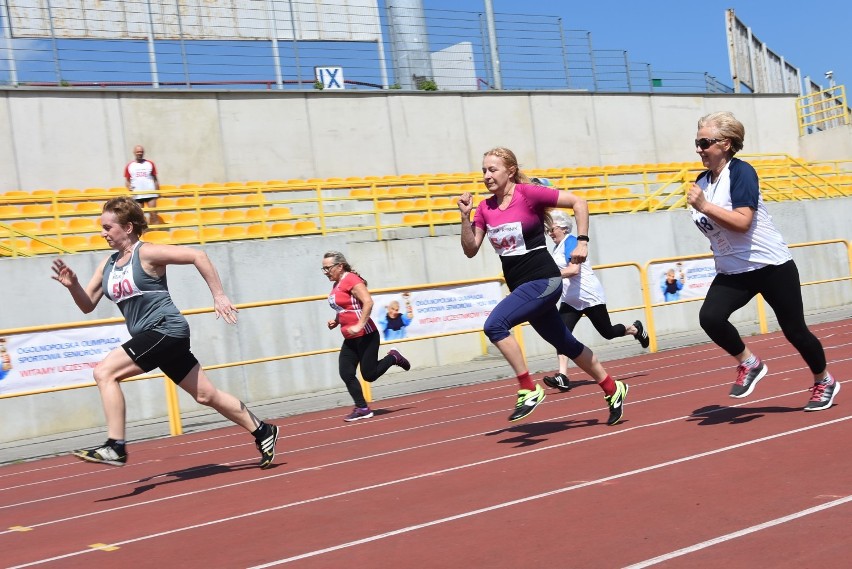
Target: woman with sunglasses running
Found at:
x=751, y=257
x=512, y=220
x=353, y=304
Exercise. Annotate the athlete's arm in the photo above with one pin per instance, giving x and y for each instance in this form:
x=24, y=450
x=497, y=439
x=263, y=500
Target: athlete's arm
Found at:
x=581, y=218
x=471, y=236
x=85, y=298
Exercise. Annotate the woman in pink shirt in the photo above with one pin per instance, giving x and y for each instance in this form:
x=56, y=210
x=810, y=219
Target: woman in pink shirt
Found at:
x=513, y=221
x=351, y=300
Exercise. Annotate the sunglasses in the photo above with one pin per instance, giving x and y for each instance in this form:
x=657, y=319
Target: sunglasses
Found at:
x=327, y=269
x=704, y=143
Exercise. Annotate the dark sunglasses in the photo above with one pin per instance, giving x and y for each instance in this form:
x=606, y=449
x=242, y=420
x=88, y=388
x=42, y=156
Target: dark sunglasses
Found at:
x=704, y=143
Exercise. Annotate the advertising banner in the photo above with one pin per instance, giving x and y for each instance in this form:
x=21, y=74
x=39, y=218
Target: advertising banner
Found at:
x=681, y=280
x=426, y=312
x=57, y=358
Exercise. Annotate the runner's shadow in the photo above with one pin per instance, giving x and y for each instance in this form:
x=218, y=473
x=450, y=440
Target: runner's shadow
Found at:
x=719, y=414
x=380, y=412
x=182, y=476
x=535, y=433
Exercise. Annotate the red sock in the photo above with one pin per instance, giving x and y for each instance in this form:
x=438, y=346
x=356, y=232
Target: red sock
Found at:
x=608, y=386
x=526, y=381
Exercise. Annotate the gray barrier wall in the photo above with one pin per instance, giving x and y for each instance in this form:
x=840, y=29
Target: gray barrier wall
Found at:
x=83, y=138
x=254, y=271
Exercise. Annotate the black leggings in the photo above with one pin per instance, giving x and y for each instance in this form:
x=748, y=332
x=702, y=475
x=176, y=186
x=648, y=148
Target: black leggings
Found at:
x=597, y=315
x=363, y=350
x=782, y=290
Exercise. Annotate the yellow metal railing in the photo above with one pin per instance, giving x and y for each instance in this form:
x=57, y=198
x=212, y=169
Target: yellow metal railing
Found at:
x=647, y=305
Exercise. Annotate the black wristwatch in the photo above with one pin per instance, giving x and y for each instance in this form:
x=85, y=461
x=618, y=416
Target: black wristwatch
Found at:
x=583, y=238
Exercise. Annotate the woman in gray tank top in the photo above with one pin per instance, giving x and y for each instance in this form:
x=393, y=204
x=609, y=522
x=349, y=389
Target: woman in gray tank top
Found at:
x=134, y=277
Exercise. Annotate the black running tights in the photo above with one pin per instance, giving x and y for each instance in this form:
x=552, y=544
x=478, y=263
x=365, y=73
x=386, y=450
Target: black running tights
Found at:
x=363, y=350
x=781, y=288
x=597, y=315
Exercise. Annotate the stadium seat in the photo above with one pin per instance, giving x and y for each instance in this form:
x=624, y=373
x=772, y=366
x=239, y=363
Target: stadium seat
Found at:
x=234, y=215
x=234, y=232
x=156, y=236
x=16, y=194
x=83, y=225
x=210, y=201
x=184, y=235
x=28, y=226
x=41, y=248
x=52, y=225
x=210, y=233
x=165, y=203
x=186, y=202
x=61, y=208
x=185, y=218
x=211, y=217
x=255, y=214
x=42, y=193
x=35, y=210
x=305, y=227
x=9, y=211
x=412, y=218
x=75, y=242
x=281, y=228
x=88, y=207
x=98, y=242
x=256, y=230
x=278, y=212
x=70, y=193
x=233, y=199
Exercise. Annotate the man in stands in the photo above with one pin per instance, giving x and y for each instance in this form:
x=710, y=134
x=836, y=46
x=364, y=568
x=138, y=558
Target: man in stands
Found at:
x=140, y=177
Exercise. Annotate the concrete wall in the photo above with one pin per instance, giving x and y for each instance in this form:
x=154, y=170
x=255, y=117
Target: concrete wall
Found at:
x=83, y=138
x=832, y=144
x=254, y=271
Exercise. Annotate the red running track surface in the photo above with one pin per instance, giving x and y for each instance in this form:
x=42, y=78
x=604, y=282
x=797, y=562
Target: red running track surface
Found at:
x=690, y=478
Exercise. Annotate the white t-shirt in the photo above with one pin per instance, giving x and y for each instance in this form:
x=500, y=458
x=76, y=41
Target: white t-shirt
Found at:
x=582, y=290
x=736, y=252
x=142, y=177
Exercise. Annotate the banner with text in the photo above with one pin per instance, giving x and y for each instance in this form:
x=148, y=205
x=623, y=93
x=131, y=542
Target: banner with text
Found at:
x=30, y=362
x=426, y=312
x=681, y=280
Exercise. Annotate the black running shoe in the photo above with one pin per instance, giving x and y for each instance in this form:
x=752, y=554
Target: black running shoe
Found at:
x=558, y=381
x=615, y=402
x=747, y=378
x=266, y=446
x=642, y=335
x=528, y=400
x=104, y=454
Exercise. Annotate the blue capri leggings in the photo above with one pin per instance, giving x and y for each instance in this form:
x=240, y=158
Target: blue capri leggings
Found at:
x=534, y=302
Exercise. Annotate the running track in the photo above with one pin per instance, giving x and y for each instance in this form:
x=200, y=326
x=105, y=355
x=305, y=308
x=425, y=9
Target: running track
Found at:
x=691, y=478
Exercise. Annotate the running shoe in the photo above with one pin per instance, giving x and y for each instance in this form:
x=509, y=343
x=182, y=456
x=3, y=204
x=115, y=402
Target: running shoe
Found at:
x=358, y=413
x=104, y=454
x=528, y=400
x=399, y=359
x=747, y=378
x=822, y=395
x=615, y=402
x=642, y=335
x=266, y=446
x=558, y=381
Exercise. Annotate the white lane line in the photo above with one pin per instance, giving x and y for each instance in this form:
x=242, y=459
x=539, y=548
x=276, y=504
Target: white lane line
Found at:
x=740, y=533
x=455, y=517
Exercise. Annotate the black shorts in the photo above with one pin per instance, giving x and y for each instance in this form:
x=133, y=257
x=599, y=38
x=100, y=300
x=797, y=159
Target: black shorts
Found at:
x=144, y=201
x=152, y=350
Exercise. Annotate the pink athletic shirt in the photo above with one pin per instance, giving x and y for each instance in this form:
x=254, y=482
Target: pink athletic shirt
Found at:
x=347, y=306
x=517, y=234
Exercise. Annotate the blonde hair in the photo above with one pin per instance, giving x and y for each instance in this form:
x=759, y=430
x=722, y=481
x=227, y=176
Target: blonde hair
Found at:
x=726, y=126
x=511, y=161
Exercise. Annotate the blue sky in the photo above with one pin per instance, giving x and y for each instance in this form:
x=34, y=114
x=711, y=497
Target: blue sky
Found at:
x=689, y=35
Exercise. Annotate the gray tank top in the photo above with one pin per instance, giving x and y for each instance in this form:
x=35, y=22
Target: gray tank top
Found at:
x=144, y=300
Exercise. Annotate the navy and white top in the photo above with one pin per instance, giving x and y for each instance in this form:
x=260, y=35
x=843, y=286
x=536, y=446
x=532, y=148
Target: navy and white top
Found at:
x=734, y=252
x=144, y=300
x=582, y=290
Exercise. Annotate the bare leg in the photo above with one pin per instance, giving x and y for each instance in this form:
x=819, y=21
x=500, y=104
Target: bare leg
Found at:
x=116, y=366
x=563, y=364
x=510, y=349
x=199, y=386
x=587, y=362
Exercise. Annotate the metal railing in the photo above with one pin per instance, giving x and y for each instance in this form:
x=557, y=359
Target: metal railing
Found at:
x=647, y=305
x=822, y=110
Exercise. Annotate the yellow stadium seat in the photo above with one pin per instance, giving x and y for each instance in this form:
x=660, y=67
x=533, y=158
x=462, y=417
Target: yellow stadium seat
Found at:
x=211, y=233
x=256, y=230
x=98, y=191
x=62, y=208
x=387, y=205
x=234, y=215
x=360, y=193
x=443, y=203
x=255, y=214
x=16, y=194
x=10, y=247
x=28, y=226
x=278, y=212
x=88, y=207
x=210, y=201
x=34, y=210
x=165, y=203
x=40, y=248
x=189, y=186
x=233, y=199
x=97, y=242
x=7, y=211
x=211, y=217
x=235, y=232
x=51, y=225
x=74, y=242
x=185, y=217
x=83, y=225
x=281, y=228
x=412, y=218
x=233, y=184
x=421, y=203
x=186, y=202
x=42, y=193
x=402, y=205
x=70, y=192
x=453, y=216
x=305, y=227
x=184, y=235
x=156, y=236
